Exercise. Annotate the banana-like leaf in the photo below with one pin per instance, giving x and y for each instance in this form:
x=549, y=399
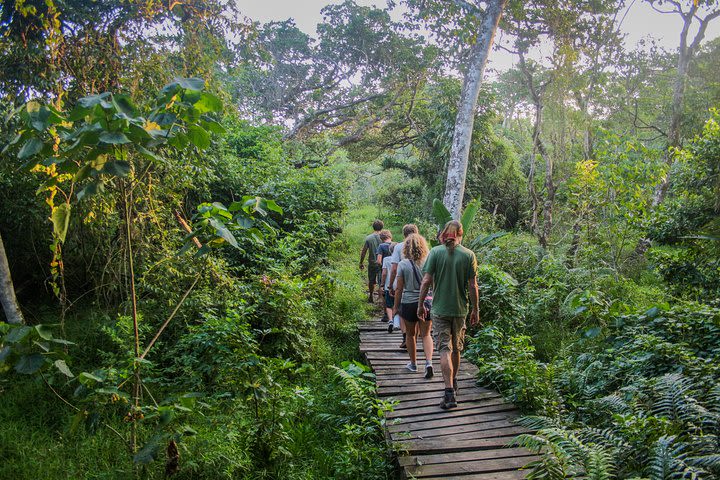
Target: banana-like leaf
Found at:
x=469, y=213
x=482, y=241
x=441, y=213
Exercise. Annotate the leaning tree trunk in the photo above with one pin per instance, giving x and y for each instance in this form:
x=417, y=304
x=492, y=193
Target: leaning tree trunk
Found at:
x=7, y=291
x=465, y=120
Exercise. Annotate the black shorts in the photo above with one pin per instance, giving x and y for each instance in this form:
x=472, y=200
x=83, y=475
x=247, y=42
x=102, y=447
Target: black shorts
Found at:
x=408, y=311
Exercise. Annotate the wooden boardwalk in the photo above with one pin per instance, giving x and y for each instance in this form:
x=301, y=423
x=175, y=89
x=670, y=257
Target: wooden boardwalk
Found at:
x=468, y=442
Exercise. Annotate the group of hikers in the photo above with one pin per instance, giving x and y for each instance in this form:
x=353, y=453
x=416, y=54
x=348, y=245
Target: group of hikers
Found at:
x=405, y=274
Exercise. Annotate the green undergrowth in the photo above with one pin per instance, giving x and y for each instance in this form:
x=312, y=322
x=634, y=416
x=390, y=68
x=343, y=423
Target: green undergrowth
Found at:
x=291, y=401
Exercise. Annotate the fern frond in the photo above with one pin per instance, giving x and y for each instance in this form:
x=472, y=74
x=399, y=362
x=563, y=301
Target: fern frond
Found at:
x=538, y=422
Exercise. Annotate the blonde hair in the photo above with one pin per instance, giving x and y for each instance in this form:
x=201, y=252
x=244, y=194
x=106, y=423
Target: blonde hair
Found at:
x=415, y=248
x=451, y=235
x=385, y=235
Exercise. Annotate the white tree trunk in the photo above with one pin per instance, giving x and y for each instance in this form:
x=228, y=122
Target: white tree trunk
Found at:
x=7, y=291
x=465, y=120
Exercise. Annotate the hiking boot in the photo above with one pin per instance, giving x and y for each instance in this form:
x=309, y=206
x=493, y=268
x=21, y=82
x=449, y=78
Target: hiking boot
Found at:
x=403, y=345
x=411, y=366
x=428, y=371
x=448, y=400
x=384, y=318
x=390, y=327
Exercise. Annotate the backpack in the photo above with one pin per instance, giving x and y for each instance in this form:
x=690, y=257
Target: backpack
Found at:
x=427, y=302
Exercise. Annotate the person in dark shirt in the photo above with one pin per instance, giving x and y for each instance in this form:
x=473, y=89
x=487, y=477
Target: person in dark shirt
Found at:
x=452, y=270
x=372, y=242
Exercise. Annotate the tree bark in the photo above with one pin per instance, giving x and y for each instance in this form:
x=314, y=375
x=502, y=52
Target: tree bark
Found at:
x=7, y=291
x=465, y=120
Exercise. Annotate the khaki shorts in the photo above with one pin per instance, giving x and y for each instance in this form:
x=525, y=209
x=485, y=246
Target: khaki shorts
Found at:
x=449, y=333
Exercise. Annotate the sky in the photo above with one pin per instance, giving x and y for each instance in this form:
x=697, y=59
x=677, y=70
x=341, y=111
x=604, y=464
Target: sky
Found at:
x=640, y=22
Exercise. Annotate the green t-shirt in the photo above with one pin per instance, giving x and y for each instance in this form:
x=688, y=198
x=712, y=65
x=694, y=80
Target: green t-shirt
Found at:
x=451, y=272
x=372, y=242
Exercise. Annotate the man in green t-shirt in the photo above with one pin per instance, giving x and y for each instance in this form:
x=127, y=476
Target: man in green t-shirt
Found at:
x=372, y=242
x=452, y=269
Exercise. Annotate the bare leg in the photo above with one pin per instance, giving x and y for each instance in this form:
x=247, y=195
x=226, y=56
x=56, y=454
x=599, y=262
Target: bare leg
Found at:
x=388, y=312
x=427, y=341
x=411, y=339
x=455, y=363
x=446, y=365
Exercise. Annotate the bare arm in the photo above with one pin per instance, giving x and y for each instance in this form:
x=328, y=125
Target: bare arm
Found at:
x=473, y=291
x=362, y=255
x=379, y=258
x=424, y=289
x=393, y=274
x=398, y=294
x=383, y=277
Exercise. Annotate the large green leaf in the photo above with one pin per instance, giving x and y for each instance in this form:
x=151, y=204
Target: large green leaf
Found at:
x=197, y=84
x=118, y=168
x=199, y=137
x=88, y=379
x=44, y=332
x=17, y=334
x=208, y=103
x=441, y=213
x=482, y=241
x=91, y=188
x=114, y=138
x=32, y=147
x=63, y=368
x=93, y=100
x=469, y=213
x=223, y=232
x=29, y=364
x=61, y=220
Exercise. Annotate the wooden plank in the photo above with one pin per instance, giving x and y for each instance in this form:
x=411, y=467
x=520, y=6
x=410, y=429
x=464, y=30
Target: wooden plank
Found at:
x=423, y=387
x=430, y=446
x=466, y=395
x=485, y=476
x=467, y=442
x=467, y=467
x=395, y=373
x=473, y=408
x=410, y=378
x=407, y=406
x=508, y=475
x=498, y=428
x=457, y=421
x=414, y=460
x=450, y=435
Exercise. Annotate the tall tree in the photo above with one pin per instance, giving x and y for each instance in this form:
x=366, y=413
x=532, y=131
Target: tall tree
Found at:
x=7, y=291
x=583, y=36
x=360, y=67
x=462, y=136
x=693, y=12
x=474, y=23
